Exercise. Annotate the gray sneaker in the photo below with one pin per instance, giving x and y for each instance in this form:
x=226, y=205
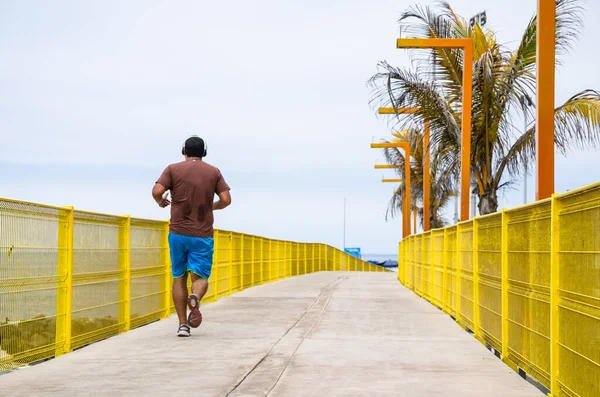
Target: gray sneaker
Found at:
x=184, y=330
x=195, y=317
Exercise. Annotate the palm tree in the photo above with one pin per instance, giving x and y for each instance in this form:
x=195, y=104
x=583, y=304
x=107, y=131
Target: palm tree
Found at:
x=442, y=188
x=501, y=78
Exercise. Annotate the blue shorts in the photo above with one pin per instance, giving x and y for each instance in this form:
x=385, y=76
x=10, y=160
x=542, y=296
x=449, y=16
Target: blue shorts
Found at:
x=191, y=254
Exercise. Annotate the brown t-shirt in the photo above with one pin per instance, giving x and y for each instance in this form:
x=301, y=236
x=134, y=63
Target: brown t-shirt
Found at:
x=193, y=184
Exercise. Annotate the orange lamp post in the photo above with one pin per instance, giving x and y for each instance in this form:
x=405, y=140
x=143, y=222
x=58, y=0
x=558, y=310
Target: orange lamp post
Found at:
x=406, y=199
x=467, y=46
x=426, y=162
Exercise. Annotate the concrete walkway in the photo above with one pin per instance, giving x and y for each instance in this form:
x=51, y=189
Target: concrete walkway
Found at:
x=323, y=334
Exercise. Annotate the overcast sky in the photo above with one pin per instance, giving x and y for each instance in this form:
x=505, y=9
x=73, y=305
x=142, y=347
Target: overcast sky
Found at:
x=96, y=98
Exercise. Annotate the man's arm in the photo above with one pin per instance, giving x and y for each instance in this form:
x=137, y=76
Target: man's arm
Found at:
x=223, y=202
x=159, y=193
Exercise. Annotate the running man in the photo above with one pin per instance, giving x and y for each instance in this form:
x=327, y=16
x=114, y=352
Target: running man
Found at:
x=193, y=184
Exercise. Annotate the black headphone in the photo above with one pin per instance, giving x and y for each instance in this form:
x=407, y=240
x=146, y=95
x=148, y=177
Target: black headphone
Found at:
x=203, y=143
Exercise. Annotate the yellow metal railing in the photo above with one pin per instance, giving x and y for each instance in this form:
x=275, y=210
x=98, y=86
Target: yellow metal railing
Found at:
x=69, y=278
x=526, y=282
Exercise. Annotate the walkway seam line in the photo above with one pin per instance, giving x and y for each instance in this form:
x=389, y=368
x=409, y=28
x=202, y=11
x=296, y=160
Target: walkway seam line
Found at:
x=303, y=339
x=282, y=336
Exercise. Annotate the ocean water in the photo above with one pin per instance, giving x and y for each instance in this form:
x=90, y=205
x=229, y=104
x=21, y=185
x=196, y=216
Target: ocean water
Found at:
x=379, y=257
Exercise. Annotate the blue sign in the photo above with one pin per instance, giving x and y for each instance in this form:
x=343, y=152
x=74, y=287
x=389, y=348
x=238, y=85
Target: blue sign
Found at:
x=353, y=251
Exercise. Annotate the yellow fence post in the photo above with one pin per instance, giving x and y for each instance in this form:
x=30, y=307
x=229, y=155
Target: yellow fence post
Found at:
x=253, y=256
x=278, y=259
x=407, y=260
x=422, y=265
x=257, y=241
x=476, y=314
x=300, y=259
x=305, y=260
x=335, y=260
x=309, y=259
x=270, y=272
x=125, y=270
x=445, y=274
x=312, y=257
x=458, y=281
x=216, y=264
x=554, y=291
x=288, y=258
x=230, y=283
x=402, y=261
x=431, y=271
x=318, y=256
x=320, y=246
x=275, y=259
x=291, y=259
x=504, y=285
x=242, y=286
x=413, y=240
x=284, y=260
x=296, y=272
x=260, y=262
x=262, y=259
x=167, y=272
x=64, y=295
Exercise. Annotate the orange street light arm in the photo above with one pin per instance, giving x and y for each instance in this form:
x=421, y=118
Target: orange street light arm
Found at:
x=392, y=180
x=398, y=111
x=386, y=166
x=390, y=145
x=434, y=43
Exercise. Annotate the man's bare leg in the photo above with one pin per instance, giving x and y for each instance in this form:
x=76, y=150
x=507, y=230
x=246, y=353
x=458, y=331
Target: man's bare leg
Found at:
x=199, y=286
x=180, y=294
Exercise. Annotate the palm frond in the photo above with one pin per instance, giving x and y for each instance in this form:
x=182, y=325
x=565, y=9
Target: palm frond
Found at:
x=576, y=125
x=445, y=63
x=577, y=122
x=405, y=89
x=569, y=21
x=442, y=188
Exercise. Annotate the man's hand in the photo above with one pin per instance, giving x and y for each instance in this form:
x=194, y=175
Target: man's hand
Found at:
x=223, y=202
x=160, y=194
x=165, y=202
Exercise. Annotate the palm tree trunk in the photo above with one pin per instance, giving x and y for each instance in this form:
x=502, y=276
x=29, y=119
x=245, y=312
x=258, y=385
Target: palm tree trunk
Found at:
x=488, y=202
